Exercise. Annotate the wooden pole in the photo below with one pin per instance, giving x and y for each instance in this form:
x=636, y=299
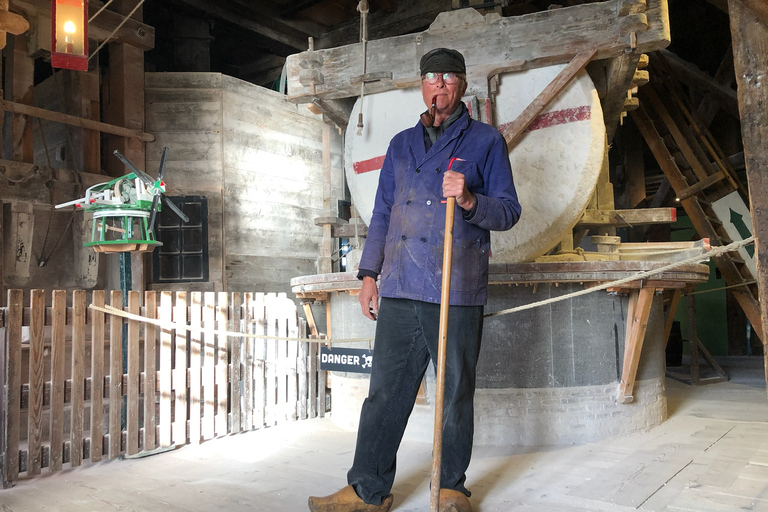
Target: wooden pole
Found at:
x=750, y=54
x=28, y=110
x=445, y=300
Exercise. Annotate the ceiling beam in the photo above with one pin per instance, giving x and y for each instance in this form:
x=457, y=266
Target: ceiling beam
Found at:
x=491, y=44
x=693, y=77
x=269, y=28
x=408, y=17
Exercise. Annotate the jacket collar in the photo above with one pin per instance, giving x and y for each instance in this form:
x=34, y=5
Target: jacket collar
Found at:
x=449, y=137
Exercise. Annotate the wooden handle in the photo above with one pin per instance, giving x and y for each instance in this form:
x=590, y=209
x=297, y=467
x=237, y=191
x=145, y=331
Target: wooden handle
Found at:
x=445, y=300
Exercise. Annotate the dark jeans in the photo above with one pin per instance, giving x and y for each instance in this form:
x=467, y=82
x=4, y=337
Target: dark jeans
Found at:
x=406, y=339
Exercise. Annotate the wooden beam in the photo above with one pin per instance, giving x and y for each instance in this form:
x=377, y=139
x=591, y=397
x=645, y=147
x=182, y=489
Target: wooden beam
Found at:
x=23, y=91
x=710, y=104
x=701, y=185
x=516, y=128
x=759, y=9
x=674, y=301
x=620, y=218
x=534, y=40
x=750, y=51
x=693, y=77
x=2, y=289
x=270, y=28
x=619, y=74
x=407, y=18
x=633, y=345
x=27, y=110
x=337, y=111
x=697, y=215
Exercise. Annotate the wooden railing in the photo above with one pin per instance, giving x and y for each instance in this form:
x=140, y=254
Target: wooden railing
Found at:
x=83, y=383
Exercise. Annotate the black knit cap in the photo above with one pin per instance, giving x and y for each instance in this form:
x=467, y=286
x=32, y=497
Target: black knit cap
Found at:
x=442, y=60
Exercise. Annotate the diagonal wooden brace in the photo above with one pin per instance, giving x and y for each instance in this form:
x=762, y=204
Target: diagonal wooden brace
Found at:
x=637, y=322
x=515, y=129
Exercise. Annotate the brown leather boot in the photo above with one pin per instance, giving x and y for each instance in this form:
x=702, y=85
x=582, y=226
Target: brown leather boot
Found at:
x=453, y=501
x=346, y=500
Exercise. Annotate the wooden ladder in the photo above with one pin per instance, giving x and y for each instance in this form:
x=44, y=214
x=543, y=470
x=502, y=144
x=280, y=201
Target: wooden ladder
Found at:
x=698, y=172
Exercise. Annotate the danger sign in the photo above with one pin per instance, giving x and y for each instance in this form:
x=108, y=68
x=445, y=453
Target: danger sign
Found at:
x=356, y=360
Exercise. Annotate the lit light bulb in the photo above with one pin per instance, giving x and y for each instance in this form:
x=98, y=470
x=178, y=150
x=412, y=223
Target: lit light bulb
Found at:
x=69, y=27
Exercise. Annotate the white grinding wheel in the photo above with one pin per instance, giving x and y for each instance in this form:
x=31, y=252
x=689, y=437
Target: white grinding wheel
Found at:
x=555, y=165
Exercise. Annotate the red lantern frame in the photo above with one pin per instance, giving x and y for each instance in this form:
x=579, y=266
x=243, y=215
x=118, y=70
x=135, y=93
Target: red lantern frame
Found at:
x=69, y=34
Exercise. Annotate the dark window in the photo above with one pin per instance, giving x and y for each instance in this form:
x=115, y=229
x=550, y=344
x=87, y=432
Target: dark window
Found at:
x=183, y=257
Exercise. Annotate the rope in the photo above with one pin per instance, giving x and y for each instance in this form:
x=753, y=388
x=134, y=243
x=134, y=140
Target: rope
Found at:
x=100, y=11
x=106, y=40
x=639, y=276
x=194, y=328
x=362, y=6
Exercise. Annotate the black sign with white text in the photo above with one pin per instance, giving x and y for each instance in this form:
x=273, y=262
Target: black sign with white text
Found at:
x=356, y=360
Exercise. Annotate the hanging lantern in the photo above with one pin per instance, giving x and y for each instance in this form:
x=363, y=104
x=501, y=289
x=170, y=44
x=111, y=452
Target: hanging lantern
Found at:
x=69, y=34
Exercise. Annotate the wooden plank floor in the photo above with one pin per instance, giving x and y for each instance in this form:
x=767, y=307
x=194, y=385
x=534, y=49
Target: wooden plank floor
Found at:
x=710, y=456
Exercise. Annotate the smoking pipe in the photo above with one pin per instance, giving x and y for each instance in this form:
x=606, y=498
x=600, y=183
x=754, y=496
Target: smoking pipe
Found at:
x=428, y=116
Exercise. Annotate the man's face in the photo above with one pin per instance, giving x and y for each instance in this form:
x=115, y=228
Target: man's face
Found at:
x=448, y=95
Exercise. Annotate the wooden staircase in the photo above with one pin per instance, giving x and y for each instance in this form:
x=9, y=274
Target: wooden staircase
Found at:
x=700, y=175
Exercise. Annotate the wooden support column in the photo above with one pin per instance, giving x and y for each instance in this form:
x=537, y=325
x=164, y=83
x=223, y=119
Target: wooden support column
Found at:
x=2, y=252
x=674, y=301
x=325, y=261
x=749, y=33
x=23, y=69
x=639, y=310
x=90, y=109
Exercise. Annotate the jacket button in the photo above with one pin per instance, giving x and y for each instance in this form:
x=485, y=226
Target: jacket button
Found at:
x=423, y=239
x=403, y=237
x=437, y=170
x=418, y=170
x=429, y=203
x=408, y=202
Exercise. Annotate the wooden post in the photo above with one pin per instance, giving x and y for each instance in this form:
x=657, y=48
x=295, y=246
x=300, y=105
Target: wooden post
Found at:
x=150, y=372
x=12, y=399
x=165, y=370
x=23, y=92
x=58, y=348
x=132, y=420
x=97, y=377
x=750, y=56
x=78, y=378
x=325, y=261
x=179, y=379
x=115, y=376
x=671, y=314
x=36, y=383
x=209, y=366
x=2, y=234
x=693, y=338
x=195, y=368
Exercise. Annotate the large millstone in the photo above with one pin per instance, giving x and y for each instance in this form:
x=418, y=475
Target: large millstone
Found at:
x=555, y=165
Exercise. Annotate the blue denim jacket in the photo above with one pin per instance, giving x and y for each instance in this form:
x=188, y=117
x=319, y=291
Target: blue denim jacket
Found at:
x=405, y=237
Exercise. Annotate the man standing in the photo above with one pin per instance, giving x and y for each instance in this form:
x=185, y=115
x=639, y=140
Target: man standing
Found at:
x=446, y=155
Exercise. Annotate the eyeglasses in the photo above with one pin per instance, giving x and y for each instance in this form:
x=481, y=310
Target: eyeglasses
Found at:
x=449, y=78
